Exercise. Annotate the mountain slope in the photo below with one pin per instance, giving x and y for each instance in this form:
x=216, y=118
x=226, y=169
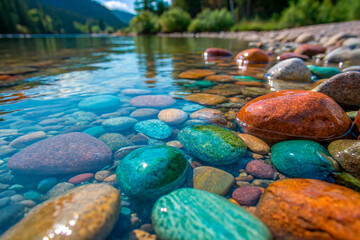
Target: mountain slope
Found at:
x=123, y=16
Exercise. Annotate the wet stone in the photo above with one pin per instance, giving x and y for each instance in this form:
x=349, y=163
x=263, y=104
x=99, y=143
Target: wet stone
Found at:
x=252, y=56
x=196, y=74
x=154, y=128
x=59, y=189
x=160, y=101
x=96, y=131
x=247, y=195
x=46, y=184
x=309, y=50
x=206, y=99
x=293, y=69
x=100, y=103
x=115, y=141
x=118, y=124
x=323, y=72
x=28, y=139
x=143, y=113
x=191, y=107
x=172, y=116
x=207, y=113
x=84, y=177
x=255, y=144
x=259, y=169
x=217, y=52
x=101, y=175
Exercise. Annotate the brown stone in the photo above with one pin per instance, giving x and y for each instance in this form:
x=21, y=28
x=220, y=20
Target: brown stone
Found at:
x=140, y=235
x=196, y=74
x=86, y=212
x=207, y=113
x=309, y=50
x=305, y=209
x=206, y=99
x=287, y=55
x=343, y=88
x=255, y=144
x=250, y=84
x=252, y=56
x=294, y=114
x=111, y=179
x=225, y=89
x=247, y=195
x=220, y=78
x=217, y=52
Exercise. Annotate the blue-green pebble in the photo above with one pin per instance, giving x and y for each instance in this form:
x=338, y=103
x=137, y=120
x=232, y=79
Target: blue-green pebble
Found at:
x=154, y=128
x=96, y=131
x=118, y=124
x=99, y=103
x=45, y=184
x=32, y=195
x=323, y=72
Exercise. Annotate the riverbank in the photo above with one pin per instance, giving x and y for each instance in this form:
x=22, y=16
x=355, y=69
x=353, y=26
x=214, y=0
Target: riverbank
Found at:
x=324, y=34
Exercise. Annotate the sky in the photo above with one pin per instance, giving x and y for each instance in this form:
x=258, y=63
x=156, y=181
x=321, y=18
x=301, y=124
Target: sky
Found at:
x=125, y=5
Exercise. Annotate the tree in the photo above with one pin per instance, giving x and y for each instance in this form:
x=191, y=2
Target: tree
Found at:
x=193, y=7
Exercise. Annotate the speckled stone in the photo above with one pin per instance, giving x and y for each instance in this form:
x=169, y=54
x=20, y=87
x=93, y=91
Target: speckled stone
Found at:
x=101, y=175
x=259, y=169
x=100, y=103
x=143, y=113
x=172, y=116
x=303, y=159
x=212, y=180
x=196, y=74
x=293, y=69
x=217, y=52
x=207, y=113
x=96, y=131
x=310, y=209
x=199, y=141
x=160, y=101
x=343, y=88
x=84, y=177
x=206, y=99
x=115, y=141
x=255, y=144
x=59, y=189
x=118, y=124
x=87, y=212
x=323, y=72
x=132, y=91
x=293, y=114
x=309, y=50
x=252, y=56
x=247, y=195
x=220, y=78
x=347, y=154
x=62, y=154
x=28, y=139
x=188, y=107
x=186, y=213
x=151, y=172
x=154, y=128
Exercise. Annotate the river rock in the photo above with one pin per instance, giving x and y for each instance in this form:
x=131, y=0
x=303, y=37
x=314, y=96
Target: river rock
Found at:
x=173, y=116
x=196, y=74
x=323, y=72
x=186, y=213
x=59, y=188
x=28, y=139
x=304, y=37
x=287, y=55
x=255, y=144
x=207, y=113
x=252, y=56
x=84, y=177
x=352, y=43
x=196, y=141
x=143, y=113
x=96, y=131
x=343, y=88
x=99, y=103
x=9, y=215
x=45, y=184
x=152, y=171
x=293, y=114
x=217, y=52
x=86, y=212
x=293, y=69
x=247, y=195
x=259, y=169
x=310, y=209
x=342, y=54
x=119, y=124
x=303, y=159
x=206, y=99
x=212, y=180
x=154, y=128
x=62, y=154
x=132, y=91
x=115, y=141
x=347, y=154
x=309, y=50
x=160, y=101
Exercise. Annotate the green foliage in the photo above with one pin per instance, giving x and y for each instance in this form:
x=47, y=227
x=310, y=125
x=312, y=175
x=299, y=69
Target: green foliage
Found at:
x=145, y=23
x=174, y=20
x=95, y=29
x=109, y=29
x=193, y=7
x=212, y=21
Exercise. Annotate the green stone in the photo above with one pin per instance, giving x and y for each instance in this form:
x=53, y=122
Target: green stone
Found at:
x=152, y=171
x=247, y=79
x=303, y=159
x=212, y=180
x=212, y=144
x=200, y=84
x=323, y=72
x=194, y=214
x=96, y=131
x=115, y=141
x=347, y=154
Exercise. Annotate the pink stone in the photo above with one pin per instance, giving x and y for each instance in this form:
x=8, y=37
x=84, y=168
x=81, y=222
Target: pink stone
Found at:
x=81, y=178
x=259, y=169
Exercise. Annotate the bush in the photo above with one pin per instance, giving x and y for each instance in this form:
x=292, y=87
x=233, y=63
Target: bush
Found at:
x=146, y=22
x=174, y=20
x=212, y=21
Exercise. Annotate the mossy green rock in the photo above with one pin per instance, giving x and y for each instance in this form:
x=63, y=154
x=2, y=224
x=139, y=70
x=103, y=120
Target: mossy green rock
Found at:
x=347, y=154
x=151, y=172
x=303, y=159
x=212, y=144
x=195, y=214
x=115, y=141
x=323, y=72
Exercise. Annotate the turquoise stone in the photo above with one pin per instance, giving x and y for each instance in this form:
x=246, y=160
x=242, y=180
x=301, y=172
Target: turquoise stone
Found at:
x=46, y=184
x=32, y=195
x=195, y=214
x=199, y=84
x=99, y=103
x=247, y=79
x=151, y=172
x=119, y=124
x=303, y=159
x=115, y=141
x=154, y=128
x=212, y=144
x=323, y=72
x=96, y=131
x=189, y=107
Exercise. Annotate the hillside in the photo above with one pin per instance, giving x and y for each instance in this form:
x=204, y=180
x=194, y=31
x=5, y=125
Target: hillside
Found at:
x=123, y=16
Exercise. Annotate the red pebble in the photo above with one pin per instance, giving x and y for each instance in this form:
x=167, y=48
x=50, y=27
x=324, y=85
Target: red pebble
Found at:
x=259, y=169
x=248, y=195
x=81, y=178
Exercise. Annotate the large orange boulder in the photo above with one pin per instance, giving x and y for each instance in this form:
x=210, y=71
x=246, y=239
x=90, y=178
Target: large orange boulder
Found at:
x=305, y=209
x=252, y=56
x=294, y=114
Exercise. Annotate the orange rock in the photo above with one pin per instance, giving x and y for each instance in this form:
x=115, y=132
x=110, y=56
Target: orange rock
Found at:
x=4, y=77
x=294, y=114
x=206, y=99
x=220, y=78
x=309, y=50
x=252, y=56
x=217, y=52
x=196, y=74
x=305, y=209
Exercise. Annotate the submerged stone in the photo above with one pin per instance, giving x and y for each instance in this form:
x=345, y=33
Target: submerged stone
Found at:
x=199, y=141
x=151, y=172
x=206, y=99
x=217, y=52
x=96, y=131
x=187, y=213
x=115, y=141
x=252, y=56
x=293, y=69
x=100, y=103
x=62, y=154
x=294, y=114
x=212, y=180
x=86, y=212
x=154, y=128
x=310, y=209
x=303, y=159
x=196, y=74
x=323, y=72
x=118, y=124
x=160, y=101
